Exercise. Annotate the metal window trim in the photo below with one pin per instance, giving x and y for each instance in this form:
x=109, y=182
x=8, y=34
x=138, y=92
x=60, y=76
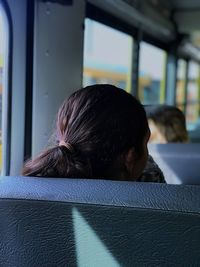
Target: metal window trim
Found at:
x=29, y=78
x=7, y=95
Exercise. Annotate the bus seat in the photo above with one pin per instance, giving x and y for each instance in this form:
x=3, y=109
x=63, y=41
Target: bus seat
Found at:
x=74, y=222
x=179, y=162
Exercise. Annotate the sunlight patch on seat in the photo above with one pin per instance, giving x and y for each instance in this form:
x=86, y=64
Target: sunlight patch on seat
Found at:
x=91, y=252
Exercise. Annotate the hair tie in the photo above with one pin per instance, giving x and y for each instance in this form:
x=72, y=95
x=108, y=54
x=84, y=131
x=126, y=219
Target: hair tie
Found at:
x=67, y=145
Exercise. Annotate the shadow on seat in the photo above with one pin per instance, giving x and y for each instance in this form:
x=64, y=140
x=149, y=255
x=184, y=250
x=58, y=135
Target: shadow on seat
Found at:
x=69, y=222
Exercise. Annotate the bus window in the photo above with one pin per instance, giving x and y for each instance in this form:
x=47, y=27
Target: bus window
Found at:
x=180, y=85
x=3, y=78
x=152, y=69
x=192, y=108
x=107, y=56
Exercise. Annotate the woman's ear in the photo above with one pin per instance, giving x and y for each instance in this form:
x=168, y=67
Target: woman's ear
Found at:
x=134, y=163
x=130, y=159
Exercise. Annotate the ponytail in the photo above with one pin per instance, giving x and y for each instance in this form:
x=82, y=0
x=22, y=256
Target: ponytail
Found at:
x=58, y=161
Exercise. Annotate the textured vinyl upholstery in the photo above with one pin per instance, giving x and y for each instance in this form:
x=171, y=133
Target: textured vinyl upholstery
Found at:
x=96, y=223
x=180, y=163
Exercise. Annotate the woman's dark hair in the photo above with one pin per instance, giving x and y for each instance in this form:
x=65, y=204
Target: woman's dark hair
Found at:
x=170, y=121
x=101, y=123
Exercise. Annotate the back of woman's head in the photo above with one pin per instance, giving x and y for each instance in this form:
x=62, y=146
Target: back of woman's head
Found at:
x=95, y=126
x=170, y=121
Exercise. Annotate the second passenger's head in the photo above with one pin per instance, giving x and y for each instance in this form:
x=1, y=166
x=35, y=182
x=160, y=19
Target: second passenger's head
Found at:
x=167, y=124
x=102, y=132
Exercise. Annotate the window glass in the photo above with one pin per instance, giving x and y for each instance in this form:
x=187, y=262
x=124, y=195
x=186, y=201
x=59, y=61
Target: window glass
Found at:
x=152, y=68
x=107, y=55
x=192, y=109
x=180, y=85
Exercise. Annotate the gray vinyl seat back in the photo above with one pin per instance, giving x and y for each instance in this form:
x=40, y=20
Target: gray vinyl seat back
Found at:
x=179, y=162
x=91, y=223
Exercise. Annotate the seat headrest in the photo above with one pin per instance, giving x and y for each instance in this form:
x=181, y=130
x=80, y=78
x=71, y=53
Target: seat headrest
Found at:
x=77, y=222
x=101, y=192
x=179, y=162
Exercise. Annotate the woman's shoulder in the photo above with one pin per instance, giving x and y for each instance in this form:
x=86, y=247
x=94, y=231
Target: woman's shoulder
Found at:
x=152, y=172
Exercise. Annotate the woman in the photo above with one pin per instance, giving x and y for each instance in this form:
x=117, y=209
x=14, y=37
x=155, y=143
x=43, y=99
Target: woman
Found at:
x=102, y=132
